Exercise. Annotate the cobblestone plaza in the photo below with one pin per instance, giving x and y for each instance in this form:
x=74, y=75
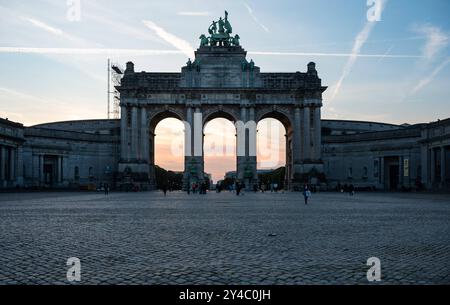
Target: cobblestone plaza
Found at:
x=270, y=238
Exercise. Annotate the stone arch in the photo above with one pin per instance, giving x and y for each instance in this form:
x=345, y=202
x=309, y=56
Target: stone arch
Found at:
x=219, y=112
x=285, y=116
x=231, y=114
x=156, y=117
x=279, y=114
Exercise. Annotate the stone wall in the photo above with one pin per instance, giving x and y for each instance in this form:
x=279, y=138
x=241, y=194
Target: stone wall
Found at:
x=60, y=158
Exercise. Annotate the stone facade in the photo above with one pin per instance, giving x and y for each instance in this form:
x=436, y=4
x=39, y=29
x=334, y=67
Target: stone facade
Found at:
x=71, y=154
x=220, y=82
x=366, y=154
x=11, y=148
x=409, y=157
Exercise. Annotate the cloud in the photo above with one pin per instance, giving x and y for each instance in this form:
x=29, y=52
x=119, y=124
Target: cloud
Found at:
x=359, y=42
x=436, y=40
x=30, y=107
x=250, y=11
x=175, y=41
x=425, y=81
x=196, y=14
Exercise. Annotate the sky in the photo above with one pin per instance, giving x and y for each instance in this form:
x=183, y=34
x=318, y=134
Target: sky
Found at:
x=382, y=60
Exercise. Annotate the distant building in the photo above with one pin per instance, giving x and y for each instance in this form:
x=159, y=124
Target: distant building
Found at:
x=366, y=154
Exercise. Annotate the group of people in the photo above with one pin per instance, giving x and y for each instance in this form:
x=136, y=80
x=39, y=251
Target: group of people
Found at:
x=350, y=189
x=240, y=188
x=200, y=188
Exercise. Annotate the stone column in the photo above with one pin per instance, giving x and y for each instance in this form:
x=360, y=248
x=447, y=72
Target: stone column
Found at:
x=123, y=133
x=144, y=156
x=241, y=146
x=41, y=169
x=306, y=134
x=134, y=134
x=188, y=133
x=432, y=167
x=12, y=164
x=317, y=134
x=2, y=162
x=59, y=164
x=443, y=167
x=198, y=134
x=20, y=174
x=424, y=174
x=297, y=137
x=381, y=173
x=198, y=144
x=252, y=149
x=188, y=147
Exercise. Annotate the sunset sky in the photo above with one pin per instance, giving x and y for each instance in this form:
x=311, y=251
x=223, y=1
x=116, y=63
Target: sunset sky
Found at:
x=395, y=70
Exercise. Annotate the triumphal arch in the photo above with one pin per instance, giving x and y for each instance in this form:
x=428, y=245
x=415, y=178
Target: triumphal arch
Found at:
x=220, y=82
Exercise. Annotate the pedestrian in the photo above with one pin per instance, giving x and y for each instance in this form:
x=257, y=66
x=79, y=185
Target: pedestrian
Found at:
x=106, y=186
x=306, y=193
x=351, y=190
x=238, y=188
x=164, y=188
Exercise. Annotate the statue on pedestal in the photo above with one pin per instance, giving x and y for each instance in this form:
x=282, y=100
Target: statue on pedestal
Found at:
x=219, y=32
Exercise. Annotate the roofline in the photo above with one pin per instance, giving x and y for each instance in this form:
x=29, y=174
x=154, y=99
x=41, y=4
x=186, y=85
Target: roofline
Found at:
x=73, y=121
x=370, y=122
x=11, y=123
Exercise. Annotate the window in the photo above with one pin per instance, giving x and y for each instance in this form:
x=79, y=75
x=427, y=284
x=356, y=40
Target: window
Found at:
x=375, y=168
x=365, y=172
x=76, y=173
x=350, y=173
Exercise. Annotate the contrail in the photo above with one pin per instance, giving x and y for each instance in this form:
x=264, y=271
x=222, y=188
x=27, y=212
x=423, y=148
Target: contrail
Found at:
x=360, y=40
x=175, y=41
x=143, y=52
x=312, y=54
x=87, y=51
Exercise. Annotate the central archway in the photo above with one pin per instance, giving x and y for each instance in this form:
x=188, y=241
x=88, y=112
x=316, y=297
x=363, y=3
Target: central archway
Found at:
x=219, y=145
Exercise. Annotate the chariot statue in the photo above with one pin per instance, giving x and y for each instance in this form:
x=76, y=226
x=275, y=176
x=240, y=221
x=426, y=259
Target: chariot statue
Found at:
x=220, y=34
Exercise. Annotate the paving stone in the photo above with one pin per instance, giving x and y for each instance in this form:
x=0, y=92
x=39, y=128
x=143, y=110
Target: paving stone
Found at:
x=146, y=238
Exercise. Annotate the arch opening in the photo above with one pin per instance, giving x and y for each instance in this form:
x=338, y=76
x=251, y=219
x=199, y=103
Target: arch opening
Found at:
x=273, y=152
x=167, y=137
x=219, y=149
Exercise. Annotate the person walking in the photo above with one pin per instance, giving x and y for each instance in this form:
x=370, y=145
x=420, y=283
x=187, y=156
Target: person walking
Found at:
x=106, y=186
x=164, y=189
x=306, y=194
x=351, y=190
x=238, y=188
